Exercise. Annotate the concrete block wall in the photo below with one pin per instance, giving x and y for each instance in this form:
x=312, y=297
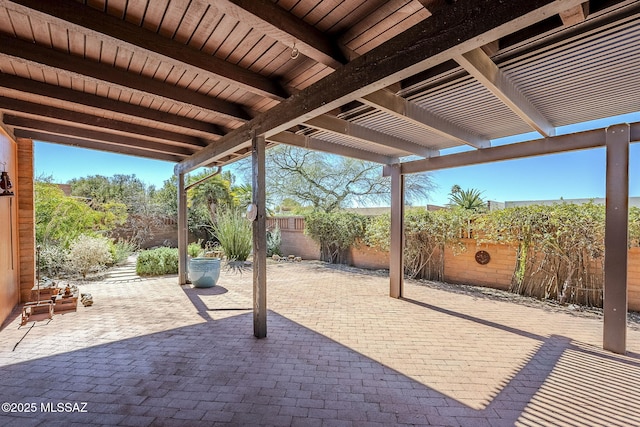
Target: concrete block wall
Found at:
x=463, y=268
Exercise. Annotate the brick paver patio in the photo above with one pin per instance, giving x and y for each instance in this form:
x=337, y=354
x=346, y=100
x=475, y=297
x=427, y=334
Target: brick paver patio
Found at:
x=339, y=352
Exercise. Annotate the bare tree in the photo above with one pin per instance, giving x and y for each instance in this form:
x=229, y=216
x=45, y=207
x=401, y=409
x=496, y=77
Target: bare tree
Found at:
x=328, y=182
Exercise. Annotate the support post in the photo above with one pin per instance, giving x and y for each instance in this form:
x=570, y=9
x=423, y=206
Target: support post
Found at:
x=396, y=253
x=615, y=241
x=259, y=237
x=182, y=231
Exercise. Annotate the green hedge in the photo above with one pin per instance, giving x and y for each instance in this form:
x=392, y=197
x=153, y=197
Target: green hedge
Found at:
x=157, y=262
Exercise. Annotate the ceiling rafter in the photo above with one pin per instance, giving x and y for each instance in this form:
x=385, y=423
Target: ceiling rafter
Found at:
x=431, y=42
x=480, y=66
x=75, y=118
x=94, y=145
x=318, y=144
x=87, y=20
x=537, y=147
x=82, y=99
x=102, y=73
x=575, y=15
x=95, y=135
x=277, y=23
x=406, y=110
x=280, y=24
x=339, y=126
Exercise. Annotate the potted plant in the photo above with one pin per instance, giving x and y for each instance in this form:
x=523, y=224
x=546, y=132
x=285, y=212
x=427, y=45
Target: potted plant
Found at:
x=204, y=271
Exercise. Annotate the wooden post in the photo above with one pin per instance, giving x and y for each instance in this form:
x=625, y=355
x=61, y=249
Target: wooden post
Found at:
x=615, y=241
x=396, y=253
x=259, y=237
x=182, y=231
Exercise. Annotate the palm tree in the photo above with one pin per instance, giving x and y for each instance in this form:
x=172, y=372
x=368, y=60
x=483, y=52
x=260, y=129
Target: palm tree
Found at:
x=467, y=199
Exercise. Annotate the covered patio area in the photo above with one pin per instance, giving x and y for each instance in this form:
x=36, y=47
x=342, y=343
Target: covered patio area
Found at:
x=340, y=352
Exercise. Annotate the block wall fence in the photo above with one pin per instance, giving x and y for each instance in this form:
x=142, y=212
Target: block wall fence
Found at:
x=458, y=268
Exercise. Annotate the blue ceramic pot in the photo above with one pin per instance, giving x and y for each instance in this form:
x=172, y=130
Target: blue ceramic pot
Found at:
x=204, y=272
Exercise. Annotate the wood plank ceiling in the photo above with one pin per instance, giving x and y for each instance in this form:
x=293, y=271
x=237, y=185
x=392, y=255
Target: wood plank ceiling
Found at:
x=181, y=80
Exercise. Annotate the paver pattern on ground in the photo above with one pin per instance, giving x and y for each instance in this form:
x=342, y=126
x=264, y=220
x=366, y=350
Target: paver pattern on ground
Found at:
x=339, y=352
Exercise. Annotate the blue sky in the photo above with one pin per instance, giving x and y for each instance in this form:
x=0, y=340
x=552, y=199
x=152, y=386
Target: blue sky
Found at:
x=578, y=174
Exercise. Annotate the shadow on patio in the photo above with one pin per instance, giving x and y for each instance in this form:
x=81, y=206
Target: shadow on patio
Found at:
x=338, y=352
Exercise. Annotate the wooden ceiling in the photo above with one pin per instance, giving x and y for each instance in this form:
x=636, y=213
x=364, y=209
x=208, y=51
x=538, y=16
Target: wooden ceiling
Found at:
x=189, y=80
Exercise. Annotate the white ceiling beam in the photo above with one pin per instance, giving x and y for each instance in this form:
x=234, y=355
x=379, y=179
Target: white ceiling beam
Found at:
x=311, y=143
x=339, y=126
x=478, y=64
x=404, y=109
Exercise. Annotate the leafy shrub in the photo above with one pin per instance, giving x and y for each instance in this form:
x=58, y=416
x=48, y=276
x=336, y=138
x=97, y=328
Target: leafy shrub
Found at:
x=558, y=247
x=120, y=251
x=194, y=249
x=235, y=233
x=426, y=234
x=335, y=232
x=88, y=253
x=157, y=262
x=274, y=239
x=52, y=260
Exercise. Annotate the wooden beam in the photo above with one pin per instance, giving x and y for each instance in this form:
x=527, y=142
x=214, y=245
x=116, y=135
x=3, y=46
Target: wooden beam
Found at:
x=259, y=237
x=95, y=145
x=78, y=119
x=59, y=94
x=455, y=29
x=575, y=15
x=339, y=126
x=616, y=236
x=183, y=233
x=478, y=64
x=537, y=147
x=90, y=21
x=404, y=109
x=279, y=24
x=396, y=252
x=89, y=134
x=312, y=143
x=79, y=68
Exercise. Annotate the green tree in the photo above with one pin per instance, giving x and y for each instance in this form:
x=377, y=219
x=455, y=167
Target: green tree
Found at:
x=470, y=199
x=61, y=219
x=126, y=190
x=335, y=232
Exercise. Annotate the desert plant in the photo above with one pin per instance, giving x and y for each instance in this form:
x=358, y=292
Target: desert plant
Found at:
x=157, y=262
x=52, y=260
x=88, y=253
x=274, y=239
x=234, y=232
x=194, y=249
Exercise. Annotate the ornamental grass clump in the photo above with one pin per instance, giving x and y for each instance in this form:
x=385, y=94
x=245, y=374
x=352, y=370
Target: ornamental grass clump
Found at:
x=235, y=233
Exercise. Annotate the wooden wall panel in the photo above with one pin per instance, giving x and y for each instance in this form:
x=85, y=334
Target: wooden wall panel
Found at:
x=26, y=218
x=9, y=265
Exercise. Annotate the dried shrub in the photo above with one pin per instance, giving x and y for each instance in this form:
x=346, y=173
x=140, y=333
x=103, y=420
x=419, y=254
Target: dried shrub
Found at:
x=88, y=254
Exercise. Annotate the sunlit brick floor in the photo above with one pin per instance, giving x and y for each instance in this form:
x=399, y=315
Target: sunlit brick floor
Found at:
x=339, y=352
